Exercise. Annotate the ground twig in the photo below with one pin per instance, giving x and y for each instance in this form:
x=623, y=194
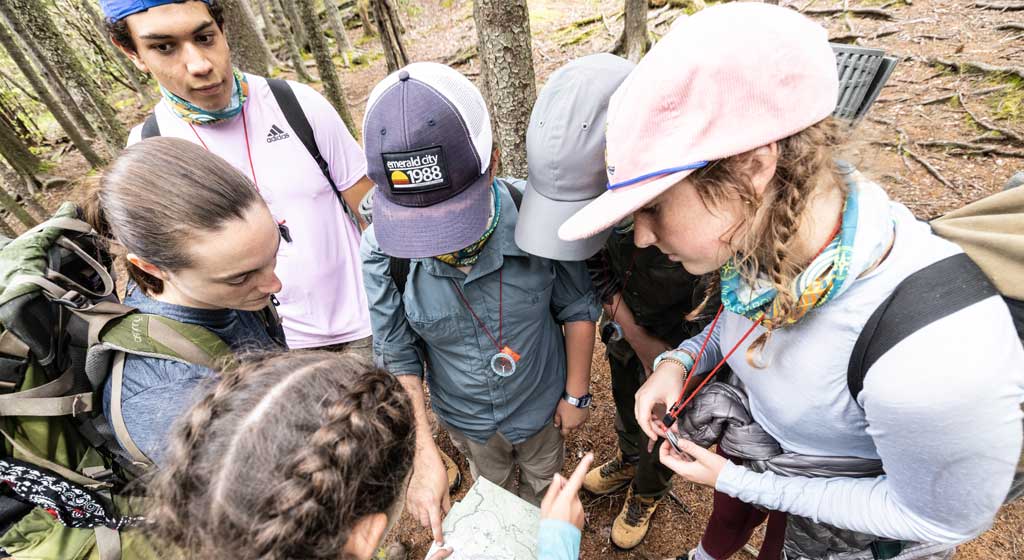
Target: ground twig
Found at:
x=921, y=160
x=968, y=148
x=863, y=12
x=675, y=498
x=1002, y=6
x=1010, y=27
x=949, y=96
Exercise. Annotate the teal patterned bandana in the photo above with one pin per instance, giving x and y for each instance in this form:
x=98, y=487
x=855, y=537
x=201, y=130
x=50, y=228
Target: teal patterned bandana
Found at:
x=469, y=255
x=194, y=115
x=826, y=277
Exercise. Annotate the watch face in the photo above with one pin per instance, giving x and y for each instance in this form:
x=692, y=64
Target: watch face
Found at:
x=584, y=401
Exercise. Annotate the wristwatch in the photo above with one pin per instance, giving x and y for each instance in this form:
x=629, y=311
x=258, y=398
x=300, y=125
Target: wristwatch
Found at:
x=581, y=402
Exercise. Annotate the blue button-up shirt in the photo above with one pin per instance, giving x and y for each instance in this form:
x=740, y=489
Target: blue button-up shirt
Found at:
x=429, y=322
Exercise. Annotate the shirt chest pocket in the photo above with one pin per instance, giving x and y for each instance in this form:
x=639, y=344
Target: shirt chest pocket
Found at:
x=527, y=297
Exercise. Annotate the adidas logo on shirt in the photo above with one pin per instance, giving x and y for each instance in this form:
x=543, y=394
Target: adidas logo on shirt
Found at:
x=276, y=134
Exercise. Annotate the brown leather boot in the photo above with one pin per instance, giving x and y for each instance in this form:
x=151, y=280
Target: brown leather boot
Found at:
x=609, y=477
x=454, y=475
x=633, y=522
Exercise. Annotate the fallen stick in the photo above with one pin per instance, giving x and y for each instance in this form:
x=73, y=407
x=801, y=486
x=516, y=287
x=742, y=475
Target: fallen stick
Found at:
x=921, y=161
x=987, y=124
x=967, y=148
x=865, y=12
x=1005, y=7
x=1010, y=27
x=949, y=96
x=672, y=495
x=967, y=66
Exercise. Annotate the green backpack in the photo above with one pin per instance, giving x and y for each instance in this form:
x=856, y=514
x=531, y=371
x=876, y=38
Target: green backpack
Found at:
x=62, y=333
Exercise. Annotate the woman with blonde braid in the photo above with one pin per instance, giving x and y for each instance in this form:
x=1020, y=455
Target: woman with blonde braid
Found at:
x=721, y=145
x=304, y=455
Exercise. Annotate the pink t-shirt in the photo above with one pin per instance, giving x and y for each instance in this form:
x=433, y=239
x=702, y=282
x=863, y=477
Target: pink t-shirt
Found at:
x=322, y=301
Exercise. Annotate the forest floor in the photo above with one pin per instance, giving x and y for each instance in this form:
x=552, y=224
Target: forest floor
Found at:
x=960, y=134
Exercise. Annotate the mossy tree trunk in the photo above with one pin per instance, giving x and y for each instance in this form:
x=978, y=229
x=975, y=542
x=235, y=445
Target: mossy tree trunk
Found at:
x=341, y=43
x=328, y=75
x=32, y=21
x=506, y=61
x=10, y=44
x=249, y=50
x=136, y=78
x=271, y=32
x=292, y=42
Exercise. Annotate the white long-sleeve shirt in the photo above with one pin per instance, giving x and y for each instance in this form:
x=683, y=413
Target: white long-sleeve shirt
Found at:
x=941, y=409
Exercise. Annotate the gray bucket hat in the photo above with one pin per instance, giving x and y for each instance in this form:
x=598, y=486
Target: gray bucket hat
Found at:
x=565, y=154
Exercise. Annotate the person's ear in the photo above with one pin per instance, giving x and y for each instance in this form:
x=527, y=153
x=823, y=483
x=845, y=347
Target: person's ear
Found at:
x=145, y=266
x=762, y=162
x=132, y=55
x=366, y=535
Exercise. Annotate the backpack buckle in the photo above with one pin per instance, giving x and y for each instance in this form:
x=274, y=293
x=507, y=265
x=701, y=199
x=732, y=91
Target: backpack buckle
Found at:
x=73, y=300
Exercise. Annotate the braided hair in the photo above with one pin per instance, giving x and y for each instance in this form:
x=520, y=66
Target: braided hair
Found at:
x=763, y=237
x=283, y=457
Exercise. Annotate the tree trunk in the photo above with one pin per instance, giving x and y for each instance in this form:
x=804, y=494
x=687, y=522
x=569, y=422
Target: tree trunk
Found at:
x=271, y=32
x=31, y=20
x=249, y=50
x=24, y=162
x=13, y=49
x=298, y=31
x=292, y=43
x=390, y=34
x=363, y=7
x=12, y=206
x=341, y=42
x=136, y=78
x=17, y=188
x=503, y=28
x=6, y=228
x=328, y=75
x=633, y=43
x=394, y=9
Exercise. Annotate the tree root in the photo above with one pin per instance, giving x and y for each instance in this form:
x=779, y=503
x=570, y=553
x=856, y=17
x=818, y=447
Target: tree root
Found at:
x=971, y=66
x=1002, y=6
x=971, y=149
x=1010, y=27
x=988, y=125
x=921, y=160
x=863, y=12
x=949, y=96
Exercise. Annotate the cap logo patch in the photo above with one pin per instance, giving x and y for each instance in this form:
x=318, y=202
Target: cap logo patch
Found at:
x=416, y=171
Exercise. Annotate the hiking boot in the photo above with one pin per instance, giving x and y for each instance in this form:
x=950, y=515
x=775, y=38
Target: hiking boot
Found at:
x=633, y=521
x=609, y=477
x=454, y=475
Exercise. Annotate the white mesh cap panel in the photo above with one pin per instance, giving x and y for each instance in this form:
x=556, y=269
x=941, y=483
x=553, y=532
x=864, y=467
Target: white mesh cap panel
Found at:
x=462, y=94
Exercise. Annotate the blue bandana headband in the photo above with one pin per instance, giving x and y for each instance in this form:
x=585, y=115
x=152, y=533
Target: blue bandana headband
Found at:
x=119, y=9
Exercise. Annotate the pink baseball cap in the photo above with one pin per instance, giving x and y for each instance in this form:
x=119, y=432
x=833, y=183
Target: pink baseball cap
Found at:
x=729, y=79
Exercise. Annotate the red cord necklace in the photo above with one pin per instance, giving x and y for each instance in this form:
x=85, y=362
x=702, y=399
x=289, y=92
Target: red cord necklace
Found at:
x=248, y=151
x=682, y=401
x=504, y=361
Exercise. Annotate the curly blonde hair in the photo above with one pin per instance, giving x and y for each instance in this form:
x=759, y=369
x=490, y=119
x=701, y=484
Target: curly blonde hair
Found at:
x=283, y=457
x=762, y=239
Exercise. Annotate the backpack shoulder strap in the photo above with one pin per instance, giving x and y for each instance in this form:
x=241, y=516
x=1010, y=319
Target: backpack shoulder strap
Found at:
x=517, y=196
x=940, y=289
x=296, y=117
x=398, y=269
x=150, y=127
x=153, y=336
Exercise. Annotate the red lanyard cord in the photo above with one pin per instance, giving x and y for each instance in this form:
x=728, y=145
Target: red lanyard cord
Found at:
x=680, y=404
x=248, y=152
x=501, y=336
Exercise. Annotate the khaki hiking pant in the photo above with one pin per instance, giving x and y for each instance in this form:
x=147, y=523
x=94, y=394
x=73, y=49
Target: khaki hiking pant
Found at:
x=539, y=458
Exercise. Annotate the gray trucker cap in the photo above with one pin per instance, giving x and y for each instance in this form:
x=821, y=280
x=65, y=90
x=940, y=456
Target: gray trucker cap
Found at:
x=565, y=154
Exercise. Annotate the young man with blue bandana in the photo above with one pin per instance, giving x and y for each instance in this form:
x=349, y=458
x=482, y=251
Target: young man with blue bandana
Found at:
x=235, y=115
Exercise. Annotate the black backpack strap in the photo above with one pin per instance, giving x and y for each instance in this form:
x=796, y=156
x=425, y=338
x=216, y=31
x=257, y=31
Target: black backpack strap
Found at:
x=150, y=128
x=940, y=289
x=517, y=196
x=296, y=117
x=398, y=269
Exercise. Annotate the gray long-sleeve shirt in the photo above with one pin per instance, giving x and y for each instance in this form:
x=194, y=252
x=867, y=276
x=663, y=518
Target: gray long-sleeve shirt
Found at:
x=941, y=409
x=539, y=295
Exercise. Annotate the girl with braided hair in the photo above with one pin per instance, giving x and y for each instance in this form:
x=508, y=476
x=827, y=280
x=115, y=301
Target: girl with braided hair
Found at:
x=721, y=145
x=303, y=455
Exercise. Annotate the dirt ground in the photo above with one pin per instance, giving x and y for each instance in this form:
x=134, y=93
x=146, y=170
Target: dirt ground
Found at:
x=923, y=105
